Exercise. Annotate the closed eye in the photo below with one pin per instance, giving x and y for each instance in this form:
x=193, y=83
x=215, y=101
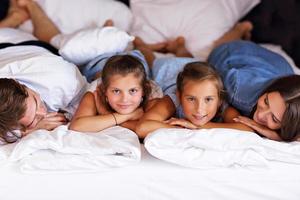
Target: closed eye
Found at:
x=266, y=100
x=275, y=120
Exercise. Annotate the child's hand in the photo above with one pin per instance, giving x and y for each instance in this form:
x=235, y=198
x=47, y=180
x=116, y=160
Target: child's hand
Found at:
x=49, y=122
x=180, y=122
x=268, y=133
x=137, y=114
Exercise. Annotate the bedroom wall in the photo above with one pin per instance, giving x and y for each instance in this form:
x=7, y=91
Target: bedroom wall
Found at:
x=277, y=22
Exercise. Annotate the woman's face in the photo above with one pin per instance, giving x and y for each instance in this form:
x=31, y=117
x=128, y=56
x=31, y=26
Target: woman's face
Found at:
x=124, y=93
x=200, y=101
x=270, y=109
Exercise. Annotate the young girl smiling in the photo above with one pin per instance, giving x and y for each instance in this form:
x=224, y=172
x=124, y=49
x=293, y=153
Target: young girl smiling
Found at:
x=196, y=99
x=119, y=98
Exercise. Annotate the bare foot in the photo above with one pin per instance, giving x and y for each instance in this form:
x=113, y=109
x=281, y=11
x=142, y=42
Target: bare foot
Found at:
x=178, y=48
x=138, y=43
x=16, y=15
x=23, y=3
x=245, y=29
x=108, y=22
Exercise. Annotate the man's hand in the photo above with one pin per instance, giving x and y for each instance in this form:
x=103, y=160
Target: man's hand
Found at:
x=49, y=122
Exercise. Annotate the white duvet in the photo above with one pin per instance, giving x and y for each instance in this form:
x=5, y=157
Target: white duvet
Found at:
x=213, y=148
x=63, y=150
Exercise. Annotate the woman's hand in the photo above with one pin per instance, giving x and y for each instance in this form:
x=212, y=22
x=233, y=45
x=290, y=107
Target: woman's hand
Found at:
x=180, y=122
x=262, y=130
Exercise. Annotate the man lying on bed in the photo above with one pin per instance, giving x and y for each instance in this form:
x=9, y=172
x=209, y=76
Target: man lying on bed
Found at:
x=36, y=86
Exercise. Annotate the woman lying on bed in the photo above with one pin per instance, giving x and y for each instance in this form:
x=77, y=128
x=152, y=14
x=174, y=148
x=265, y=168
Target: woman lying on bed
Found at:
x=259, y=83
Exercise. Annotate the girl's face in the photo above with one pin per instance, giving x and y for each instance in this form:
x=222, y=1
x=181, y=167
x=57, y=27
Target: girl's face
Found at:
x=124, y=93
x=270, y=110
x=200, y=101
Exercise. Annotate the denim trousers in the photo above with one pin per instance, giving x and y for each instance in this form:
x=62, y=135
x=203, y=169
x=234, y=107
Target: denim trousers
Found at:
x=246, y=70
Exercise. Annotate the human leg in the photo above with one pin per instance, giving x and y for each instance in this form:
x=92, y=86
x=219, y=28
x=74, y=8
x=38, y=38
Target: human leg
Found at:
x=44, y=28
x=246, y=69
x=16, y=15
x=147, y=49
x=241, y=30
x=178, y=48
x=108, y=22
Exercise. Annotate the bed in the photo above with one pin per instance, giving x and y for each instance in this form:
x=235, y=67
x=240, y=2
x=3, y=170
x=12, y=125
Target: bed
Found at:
x=170, y=164
x=152, y=178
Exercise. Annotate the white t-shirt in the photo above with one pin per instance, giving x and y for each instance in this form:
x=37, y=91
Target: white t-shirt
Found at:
x=58, y=82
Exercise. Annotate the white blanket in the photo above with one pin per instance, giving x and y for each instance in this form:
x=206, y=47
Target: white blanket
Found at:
x=215, y=148
x=62, y=150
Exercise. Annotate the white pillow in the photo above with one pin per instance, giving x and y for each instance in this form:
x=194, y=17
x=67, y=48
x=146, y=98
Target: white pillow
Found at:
x=84, y=45
x=213, y=148
x=200, y=21
x=72, y=15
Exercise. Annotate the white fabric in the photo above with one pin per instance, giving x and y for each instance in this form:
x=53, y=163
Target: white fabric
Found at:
x=212, y=148
x=72, y=15
x=12, y=35
x=82, y=46
x=66, y=151
x=58, y=82
x=201, y=22
x=153, y=179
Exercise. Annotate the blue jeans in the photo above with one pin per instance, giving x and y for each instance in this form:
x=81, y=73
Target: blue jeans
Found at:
x=97, y=64
x=247, y=69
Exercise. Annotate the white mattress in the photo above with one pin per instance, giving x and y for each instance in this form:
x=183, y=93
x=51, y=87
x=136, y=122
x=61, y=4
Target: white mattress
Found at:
x=157, y=180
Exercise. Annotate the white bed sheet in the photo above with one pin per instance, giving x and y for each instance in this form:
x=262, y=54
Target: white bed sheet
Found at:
x=153, y=179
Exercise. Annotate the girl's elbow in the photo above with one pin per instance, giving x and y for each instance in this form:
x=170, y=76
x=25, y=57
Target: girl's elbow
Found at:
x=73, y=126
x=141, y=131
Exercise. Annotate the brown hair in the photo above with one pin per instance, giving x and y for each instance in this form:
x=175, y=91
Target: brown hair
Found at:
x=201, y=71
x=124, y=65
x=289, y=89
x=12, y=105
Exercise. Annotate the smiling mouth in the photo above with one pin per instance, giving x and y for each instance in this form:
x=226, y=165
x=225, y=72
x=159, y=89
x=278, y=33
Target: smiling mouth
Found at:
x=124, y=106
x=200, y=117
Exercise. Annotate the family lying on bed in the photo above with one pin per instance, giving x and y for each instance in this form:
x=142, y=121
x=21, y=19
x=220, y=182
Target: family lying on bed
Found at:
x=259, y=83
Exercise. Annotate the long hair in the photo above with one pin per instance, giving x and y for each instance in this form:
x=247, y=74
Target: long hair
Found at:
x=289, y=89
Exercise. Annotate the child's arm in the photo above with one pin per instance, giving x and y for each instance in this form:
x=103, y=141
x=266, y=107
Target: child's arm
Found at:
x=154, y=118
x=49, y=122
x=232, y=119
x=229, y=121
x=86, y=118
x=131, y=124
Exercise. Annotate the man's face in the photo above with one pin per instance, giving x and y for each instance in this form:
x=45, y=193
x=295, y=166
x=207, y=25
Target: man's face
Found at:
x=35, y=110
